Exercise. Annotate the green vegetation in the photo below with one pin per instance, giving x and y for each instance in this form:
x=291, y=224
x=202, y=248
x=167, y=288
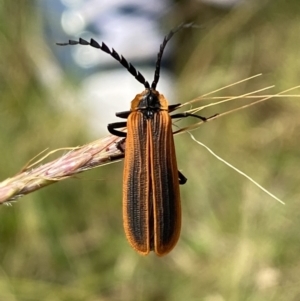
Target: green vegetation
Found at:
x=66, y=242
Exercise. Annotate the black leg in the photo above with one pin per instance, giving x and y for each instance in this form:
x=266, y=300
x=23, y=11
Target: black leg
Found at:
x=172, y=108
x=185, y=114
x=182, y=178
x=120, y=147
x=123, y=114
x=113, y=126
x=116, y=157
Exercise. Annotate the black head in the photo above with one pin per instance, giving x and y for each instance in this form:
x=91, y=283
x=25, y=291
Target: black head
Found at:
x=132, y=70
x=150, y=103
x=150, y=100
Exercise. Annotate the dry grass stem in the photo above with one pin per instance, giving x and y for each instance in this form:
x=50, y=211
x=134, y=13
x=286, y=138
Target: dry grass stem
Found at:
x=250, y=95
x=100, y=152
x=77, y=160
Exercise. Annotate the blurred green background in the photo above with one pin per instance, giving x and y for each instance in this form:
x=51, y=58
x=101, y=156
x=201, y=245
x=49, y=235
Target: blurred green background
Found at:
x=66, y=242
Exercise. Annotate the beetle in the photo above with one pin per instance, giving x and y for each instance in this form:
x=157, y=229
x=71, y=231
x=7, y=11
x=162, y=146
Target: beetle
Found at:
x=151, y=195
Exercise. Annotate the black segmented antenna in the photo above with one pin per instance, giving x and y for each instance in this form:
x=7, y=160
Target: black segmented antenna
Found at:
x=114, y=54
x=132, y=70
x=161, y=51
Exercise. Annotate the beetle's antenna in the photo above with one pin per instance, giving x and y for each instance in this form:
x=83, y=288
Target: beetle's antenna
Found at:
x=132, y=70
x=161, y=51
